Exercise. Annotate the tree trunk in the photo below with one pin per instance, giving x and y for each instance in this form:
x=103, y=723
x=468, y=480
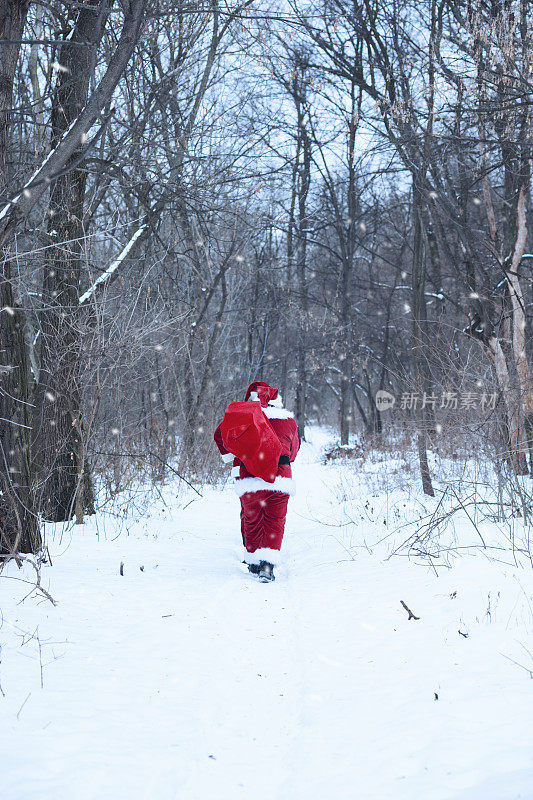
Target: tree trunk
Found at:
x=418, y=318
x=19, y=529
x=348, y=244
x=512, y=406
x=301, y=270
x=59, y=428
x=519, y=322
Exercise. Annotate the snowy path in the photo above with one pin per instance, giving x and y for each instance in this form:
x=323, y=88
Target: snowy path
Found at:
x=191, y=680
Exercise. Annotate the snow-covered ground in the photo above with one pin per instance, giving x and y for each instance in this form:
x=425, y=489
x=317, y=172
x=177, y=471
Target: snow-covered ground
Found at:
x=187, y=679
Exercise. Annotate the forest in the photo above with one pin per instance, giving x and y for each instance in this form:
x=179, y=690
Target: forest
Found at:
x=322, y=207
x=329, y=196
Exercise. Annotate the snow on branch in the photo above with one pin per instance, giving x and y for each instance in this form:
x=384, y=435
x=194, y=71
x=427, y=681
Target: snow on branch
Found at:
x=25, y=190
x=112, y=267
x=60, y=157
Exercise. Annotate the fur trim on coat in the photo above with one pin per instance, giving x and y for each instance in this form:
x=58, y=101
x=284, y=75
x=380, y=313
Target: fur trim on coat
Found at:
x=281, y=484
x=276, y=412
x=262, y=554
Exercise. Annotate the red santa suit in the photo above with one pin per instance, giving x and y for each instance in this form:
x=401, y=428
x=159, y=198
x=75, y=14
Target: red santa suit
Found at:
x=264, y=505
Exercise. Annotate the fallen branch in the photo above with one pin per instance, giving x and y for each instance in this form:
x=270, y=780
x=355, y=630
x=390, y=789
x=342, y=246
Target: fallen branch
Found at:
x=411, y=615
x=24, y=703
x=37, y=585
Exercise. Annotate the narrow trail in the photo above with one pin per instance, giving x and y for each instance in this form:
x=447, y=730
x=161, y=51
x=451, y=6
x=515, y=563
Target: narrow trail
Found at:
x=190, y=680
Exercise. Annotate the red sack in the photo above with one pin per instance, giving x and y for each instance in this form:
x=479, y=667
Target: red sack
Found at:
x=248, y=435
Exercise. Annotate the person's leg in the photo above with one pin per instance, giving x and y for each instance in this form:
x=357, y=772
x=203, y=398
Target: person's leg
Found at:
x=274, y=516
x=263, y=516
x=252, y=520
x=243, y=522
x=274, y=507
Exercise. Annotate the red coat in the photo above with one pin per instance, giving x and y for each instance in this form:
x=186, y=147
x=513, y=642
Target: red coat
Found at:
x=285, y=427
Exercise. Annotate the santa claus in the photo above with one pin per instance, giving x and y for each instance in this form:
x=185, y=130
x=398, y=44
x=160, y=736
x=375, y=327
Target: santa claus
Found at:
x=264, y=502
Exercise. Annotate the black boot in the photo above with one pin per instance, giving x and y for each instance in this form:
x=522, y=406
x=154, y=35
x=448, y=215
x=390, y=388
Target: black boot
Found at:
x=253, y=568
x=266, y=572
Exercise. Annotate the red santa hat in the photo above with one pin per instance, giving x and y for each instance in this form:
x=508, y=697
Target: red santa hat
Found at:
x=258, y=390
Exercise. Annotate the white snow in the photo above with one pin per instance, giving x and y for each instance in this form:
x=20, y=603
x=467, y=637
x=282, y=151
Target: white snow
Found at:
x=38, y=171
x=115, y=264
x=189, y=679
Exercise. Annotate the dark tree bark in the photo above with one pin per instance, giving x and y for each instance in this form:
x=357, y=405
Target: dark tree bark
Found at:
x=347, y=231
x=19, y=530
x=303, y=184
x=418, y=312
x=58, y=426
x=59, y=438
